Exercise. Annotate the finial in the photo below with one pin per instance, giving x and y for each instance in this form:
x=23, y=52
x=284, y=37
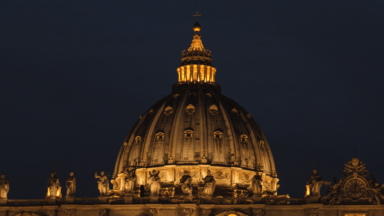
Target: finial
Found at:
x=197, y=27
x=197, y=15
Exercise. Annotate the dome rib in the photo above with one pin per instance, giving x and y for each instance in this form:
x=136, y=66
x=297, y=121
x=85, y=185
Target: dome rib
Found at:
x=144, y=156
x=176, y=125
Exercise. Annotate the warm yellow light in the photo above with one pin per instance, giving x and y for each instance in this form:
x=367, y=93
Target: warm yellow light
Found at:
x=232, y=215
x=308, y=192
x=178, y=73
x=201, y=72
x=208, y=73
x=194, y=73
x=183, y=74
x=188, y=73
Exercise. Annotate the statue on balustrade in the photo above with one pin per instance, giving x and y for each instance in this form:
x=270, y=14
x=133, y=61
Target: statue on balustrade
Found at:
x=186, y=184
x=103, y=184
x=71, y=185
x=4, y=187
x=130, y=181
x=314, y=183
x=375, y=191
x=257, y=184
x=53, y=187
x=154, y=183
x=209, y=184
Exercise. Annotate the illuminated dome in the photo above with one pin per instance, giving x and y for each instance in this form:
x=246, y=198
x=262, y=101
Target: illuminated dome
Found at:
x=196, y=129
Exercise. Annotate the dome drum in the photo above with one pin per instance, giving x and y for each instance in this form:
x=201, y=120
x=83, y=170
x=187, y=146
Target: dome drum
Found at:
x=226, y=177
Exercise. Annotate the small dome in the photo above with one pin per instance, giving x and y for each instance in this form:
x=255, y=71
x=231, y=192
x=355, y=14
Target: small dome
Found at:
x=196, y=27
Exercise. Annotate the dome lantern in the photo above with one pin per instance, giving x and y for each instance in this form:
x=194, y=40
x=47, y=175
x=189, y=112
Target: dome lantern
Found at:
x=196, y=62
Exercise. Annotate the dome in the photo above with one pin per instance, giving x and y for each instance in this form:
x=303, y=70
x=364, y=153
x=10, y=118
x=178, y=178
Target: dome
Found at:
x=196, y=129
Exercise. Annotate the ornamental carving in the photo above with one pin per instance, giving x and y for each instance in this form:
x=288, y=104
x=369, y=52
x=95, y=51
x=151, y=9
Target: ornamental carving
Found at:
x=153, y=212
x=188, y=211
x=234, y=112
x=190, y=109
x=354, y=187
x=138, y=139
x=26, y=214
x=207, y=212
x=355, y=167
x=258, y=212
x=69, y=212
x=213, y=109
x=312, y=212
x=168, y=110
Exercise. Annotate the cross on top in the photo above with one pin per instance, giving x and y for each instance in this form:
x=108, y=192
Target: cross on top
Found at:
x=197, y=15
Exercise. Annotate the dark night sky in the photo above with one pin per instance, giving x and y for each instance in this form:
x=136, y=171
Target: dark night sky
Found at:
x=76, y=75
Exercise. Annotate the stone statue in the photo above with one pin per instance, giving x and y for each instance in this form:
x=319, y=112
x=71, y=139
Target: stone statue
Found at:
x=103, y=184
x=53, y=187
x=257, y=184
x=186, y=184
x=315, y=182
x=209, y=184
x=71, y=185
x=204, y=159
x=130, y=181
x=154, y=183
x=4, y=187
x=333, y=194
x=375, y=191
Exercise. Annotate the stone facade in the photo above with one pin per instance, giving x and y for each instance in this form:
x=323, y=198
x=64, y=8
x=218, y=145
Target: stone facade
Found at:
x=193, y=210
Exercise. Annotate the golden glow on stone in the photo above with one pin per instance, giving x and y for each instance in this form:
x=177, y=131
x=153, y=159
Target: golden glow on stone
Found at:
x=178, y=73
x=308, y=192
x=197, y=44
x=201, y=72
x=195, y=63
x=194, y=73
x=188, y=72
x=183, y=78
x=208, y=73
